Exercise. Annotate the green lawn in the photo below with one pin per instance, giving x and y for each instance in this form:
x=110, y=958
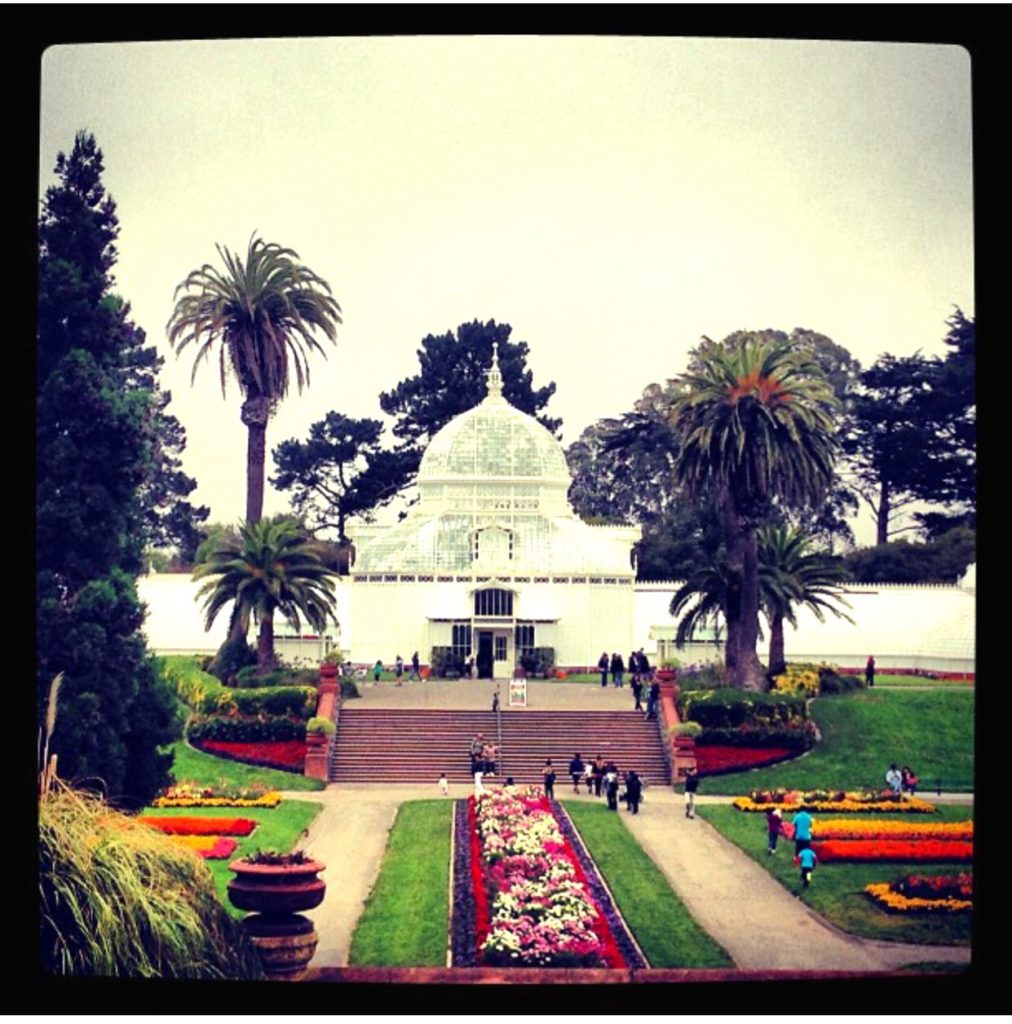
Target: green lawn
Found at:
x=406, y=917
x=837, y=890
x=278, y=828
x=665, y=931
x=862, y=733
x=885, y=679
x=206, y=770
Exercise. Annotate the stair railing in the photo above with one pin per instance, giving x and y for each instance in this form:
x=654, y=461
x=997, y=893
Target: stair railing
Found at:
x=498, y=732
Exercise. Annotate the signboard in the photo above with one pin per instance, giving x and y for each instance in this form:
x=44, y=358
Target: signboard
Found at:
x=518, y=693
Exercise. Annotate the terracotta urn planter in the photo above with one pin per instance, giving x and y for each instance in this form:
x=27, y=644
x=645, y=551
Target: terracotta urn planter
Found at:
x=285, y=944
x=665, y=675
x=276, y=888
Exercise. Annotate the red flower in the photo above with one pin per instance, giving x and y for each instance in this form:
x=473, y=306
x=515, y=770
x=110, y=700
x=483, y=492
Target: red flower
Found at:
x=716, y=759
x=935, y=850
x=288, y=755
x=184, y=826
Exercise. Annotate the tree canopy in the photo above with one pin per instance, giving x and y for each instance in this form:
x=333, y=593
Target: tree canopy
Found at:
x=97, y=439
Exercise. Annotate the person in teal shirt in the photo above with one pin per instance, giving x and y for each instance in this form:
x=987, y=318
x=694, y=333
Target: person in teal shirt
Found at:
x=802, y=822
x=807, y=860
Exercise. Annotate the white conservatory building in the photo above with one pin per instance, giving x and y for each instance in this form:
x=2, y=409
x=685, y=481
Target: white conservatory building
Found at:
x=491, y=561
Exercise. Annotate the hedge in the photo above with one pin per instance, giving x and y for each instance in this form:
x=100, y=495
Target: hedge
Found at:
x=730, y=709
x=245, y=730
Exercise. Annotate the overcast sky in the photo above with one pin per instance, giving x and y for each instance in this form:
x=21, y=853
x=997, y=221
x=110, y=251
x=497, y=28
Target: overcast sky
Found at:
x=614, y=199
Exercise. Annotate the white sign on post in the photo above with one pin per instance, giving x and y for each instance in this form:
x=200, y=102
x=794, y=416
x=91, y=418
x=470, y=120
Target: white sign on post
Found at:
x=518, y=693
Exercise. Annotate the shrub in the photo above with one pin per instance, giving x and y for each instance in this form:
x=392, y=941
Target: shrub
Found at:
x=539, y=662
x=728, y=708
x=299, y=701
x=798, y=678
x=245, y=730
x=797, y=736
x=234, y=655
x=687, y=729
x=703, y=677
x=321, y=725
x=120, y=899
x=831, y=682
x=443, y=660
x=349, y=691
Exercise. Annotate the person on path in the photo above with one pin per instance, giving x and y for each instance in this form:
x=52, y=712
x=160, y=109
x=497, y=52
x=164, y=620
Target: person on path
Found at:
x=548, y=774
x=576, y=771
x=588, y=777
x=416, y=666
x=637, y=692
x=802, y=822
x=399, y=669
x=655, y=696
x=611, y=786
x=869, y=671
x=444, y=785
x=691, y=788
x=894, y=780
x=377, y=670
x=617, y=668
x=646, y=672
x=602, y=664
x=469, y=667
x=807, y=859
x=634, y=667
x=598, y=774
x=633, y=792
x=774, y=819
x=908, y=780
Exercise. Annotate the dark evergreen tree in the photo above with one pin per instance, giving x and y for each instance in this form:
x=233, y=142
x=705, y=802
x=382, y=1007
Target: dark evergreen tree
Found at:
x=94, y=453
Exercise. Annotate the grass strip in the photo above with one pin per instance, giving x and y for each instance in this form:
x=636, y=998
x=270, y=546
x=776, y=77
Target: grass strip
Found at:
x=278, y=828
x=207, y=770
x=837, y=890
x=862, y=733
x=406, y=917
x=664, y=929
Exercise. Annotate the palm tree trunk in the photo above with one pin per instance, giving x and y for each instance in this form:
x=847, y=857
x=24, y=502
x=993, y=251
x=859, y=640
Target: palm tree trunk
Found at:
x=265, y=644
x=749, y=674
x=777, y=663
x=732, y=611
x=255, y=414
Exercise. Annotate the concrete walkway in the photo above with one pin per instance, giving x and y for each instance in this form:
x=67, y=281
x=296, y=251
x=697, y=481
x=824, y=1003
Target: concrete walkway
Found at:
x=760, y=924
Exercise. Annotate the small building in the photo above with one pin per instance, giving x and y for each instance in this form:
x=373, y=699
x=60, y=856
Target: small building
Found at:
x=491, y=561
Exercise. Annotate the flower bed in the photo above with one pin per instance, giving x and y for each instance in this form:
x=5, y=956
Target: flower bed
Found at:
x=208, y=847
x=834, y=801
x=951, y=894
x=186, y=794
x=841, y=828
x=183, y=826
x=285, y=755
x=721, y=760
x=533, y=902
x=865, y=850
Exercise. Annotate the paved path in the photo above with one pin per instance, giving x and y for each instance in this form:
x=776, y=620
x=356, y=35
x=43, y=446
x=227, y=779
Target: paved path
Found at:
x=759, y=923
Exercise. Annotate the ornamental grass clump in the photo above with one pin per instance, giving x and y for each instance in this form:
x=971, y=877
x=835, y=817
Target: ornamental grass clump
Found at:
x=120, y=899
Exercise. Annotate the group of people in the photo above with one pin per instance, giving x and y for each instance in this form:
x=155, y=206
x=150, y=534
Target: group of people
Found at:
x=416, y=668
x=484, y=755
x=902, y=781
x=639, y=668
x=800, y=829
x=600, y=777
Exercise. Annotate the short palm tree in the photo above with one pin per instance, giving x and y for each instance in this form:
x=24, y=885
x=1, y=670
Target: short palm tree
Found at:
x=271, y=566
x=263, y=314
x=701, y=599
x=790, y=575
x=755, y=423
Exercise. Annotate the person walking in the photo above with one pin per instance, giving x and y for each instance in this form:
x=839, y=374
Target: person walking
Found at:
x=806, y=858
x=634, y=667
x=376, y=670
x=588, y=777
x=399, y=669
x=774, y=819
x=576, y=771
x=869, y=671
x=602, y=664
x=611, y=786
x=598, y=774
x=633, y=792
x=444, y=785
x=416, y=666
x=655, y=696
x=646, y=672
x=548, y=774
x=617, y=668
x=691, y=788
x=637, y=692
x=802, y=822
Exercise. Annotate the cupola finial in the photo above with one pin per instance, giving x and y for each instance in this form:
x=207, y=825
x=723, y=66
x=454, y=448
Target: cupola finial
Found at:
x=493, y=376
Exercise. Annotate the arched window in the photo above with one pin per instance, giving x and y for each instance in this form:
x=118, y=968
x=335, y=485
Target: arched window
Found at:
x=493, y=602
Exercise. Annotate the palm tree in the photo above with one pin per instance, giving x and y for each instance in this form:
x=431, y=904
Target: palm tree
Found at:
x=755, y=424
x=271, y=566
x=264, y=314
x=703, y=598
x=789, y=575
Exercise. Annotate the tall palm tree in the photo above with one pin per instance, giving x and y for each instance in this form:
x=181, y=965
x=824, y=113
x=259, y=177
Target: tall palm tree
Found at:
x=264, y=314
x=271, y=566
x=755, y=423
x=789, y=575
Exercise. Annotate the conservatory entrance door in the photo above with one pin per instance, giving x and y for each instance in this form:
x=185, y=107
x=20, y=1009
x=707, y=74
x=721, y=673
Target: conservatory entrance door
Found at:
x=494, y=653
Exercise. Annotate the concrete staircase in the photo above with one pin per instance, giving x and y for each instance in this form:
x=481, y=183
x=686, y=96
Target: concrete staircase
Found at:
x=392, y=745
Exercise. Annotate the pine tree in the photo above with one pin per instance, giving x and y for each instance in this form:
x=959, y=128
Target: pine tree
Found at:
x=95, y=452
